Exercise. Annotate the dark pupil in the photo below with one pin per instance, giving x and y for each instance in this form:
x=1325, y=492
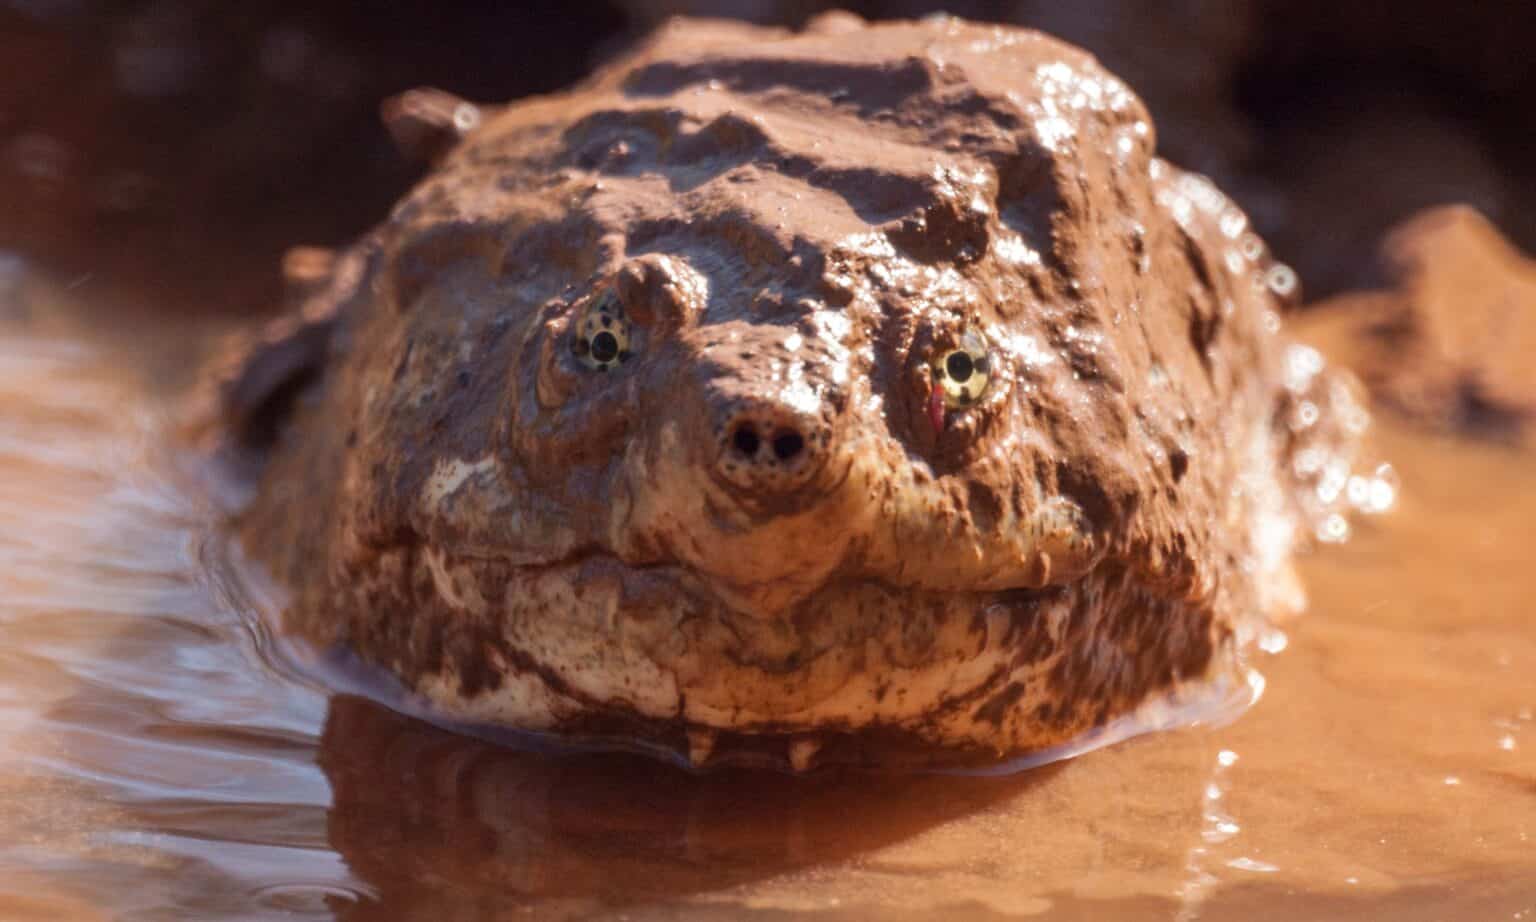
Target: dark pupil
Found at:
x=605, y=347
x=959, y=365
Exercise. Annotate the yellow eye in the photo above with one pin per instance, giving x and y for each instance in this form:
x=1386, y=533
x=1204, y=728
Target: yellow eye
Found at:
x=600, y=338
x=962, y=375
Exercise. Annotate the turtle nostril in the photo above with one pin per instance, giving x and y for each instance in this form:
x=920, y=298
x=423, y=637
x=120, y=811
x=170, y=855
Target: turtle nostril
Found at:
x=770, y=451
x=745, y=439
x=787, y=445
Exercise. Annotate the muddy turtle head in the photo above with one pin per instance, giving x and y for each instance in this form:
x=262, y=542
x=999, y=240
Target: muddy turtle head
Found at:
x=771, y=444
x=860, y=380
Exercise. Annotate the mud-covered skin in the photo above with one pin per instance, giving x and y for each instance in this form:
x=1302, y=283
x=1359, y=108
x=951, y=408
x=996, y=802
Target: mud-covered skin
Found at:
x=797, y=229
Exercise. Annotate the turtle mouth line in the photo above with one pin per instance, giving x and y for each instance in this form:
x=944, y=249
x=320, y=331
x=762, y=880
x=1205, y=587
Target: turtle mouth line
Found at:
x=669, y=574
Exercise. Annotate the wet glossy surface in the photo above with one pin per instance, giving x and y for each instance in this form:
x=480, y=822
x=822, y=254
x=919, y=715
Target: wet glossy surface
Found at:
x=154, y=765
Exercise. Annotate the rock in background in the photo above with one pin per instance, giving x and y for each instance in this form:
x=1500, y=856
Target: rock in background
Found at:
x=1448, y=340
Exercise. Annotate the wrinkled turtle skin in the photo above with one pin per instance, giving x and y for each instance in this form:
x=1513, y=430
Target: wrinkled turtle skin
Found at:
x=867, y=393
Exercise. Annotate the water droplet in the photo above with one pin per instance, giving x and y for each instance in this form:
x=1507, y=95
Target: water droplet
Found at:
x=1302, y=364
x=1305, y=416
x=1309, y=461
x=1333, y=530
x=1331, y=484
x=1281, y=279
x=1253, y=247
x=466, y=118
x=1233, y=223
x=1381, y=496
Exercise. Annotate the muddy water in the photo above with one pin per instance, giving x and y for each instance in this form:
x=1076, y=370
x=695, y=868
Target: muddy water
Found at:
x=157, y=762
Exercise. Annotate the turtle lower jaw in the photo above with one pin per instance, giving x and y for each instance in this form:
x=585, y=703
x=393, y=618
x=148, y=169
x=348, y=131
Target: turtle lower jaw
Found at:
x=601, y=652
x=700, y=747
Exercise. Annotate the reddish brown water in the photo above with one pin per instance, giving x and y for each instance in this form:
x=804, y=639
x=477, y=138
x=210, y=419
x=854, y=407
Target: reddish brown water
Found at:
x=155, y=763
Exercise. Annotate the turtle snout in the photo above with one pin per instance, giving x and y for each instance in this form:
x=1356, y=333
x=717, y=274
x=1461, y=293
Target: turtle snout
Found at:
x=765, y=447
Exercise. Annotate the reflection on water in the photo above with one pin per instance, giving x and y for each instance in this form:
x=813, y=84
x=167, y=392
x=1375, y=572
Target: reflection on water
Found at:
x=146, y=759
x=478, y=825
x=153, y=765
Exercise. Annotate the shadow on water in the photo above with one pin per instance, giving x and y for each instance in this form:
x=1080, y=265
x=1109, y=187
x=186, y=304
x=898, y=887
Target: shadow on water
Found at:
x=433, y=819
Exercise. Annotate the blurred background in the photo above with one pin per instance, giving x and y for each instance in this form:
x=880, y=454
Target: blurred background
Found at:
x=173, y=149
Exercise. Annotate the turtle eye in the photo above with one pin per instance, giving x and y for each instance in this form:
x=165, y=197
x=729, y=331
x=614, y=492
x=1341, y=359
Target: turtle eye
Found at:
x=961, y=375
x=600, y=338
